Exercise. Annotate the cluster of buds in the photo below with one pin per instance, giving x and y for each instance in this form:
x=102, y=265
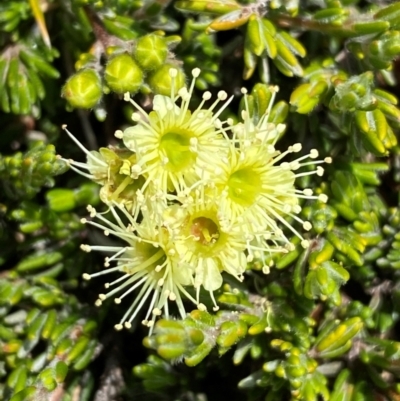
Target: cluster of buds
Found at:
x=192, y=197
x=142, y=64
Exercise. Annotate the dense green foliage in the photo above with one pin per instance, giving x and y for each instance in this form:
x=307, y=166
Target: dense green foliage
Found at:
x=324, y=322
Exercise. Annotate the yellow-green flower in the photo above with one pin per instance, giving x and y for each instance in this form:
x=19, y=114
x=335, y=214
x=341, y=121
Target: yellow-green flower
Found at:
x=204, y=243
x=175, y=148
x=149, y=263
x=257, y=189
x=112, y=169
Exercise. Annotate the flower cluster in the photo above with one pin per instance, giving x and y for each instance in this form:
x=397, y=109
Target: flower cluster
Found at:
x=192, y=197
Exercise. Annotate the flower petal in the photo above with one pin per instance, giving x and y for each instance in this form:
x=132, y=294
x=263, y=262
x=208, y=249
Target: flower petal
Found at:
x=212, y=279
x=130, y=135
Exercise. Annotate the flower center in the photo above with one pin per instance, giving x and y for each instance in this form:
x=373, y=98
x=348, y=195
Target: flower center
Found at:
x=205, y=230
x=144, y=257
x=244, y=186
x=176, y=146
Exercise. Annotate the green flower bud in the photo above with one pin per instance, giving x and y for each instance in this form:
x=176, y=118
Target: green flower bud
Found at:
x=83, y=90
x=122, y=74
x=151, y=52
x=161, y=81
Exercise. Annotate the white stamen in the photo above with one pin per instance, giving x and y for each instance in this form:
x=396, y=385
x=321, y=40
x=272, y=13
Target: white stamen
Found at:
x=323, y=198
x=222, y=95
x=305, y=244
x=206, y=95
x=196, y=72
x=156, y=312
x=119, y=134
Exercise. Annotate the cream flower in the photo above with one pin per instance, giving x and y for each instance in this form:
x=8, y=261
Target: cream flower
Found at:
x=112, y=169
x=174, y=146
x=203, y=242
x=257, y=188
x=149, y=261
